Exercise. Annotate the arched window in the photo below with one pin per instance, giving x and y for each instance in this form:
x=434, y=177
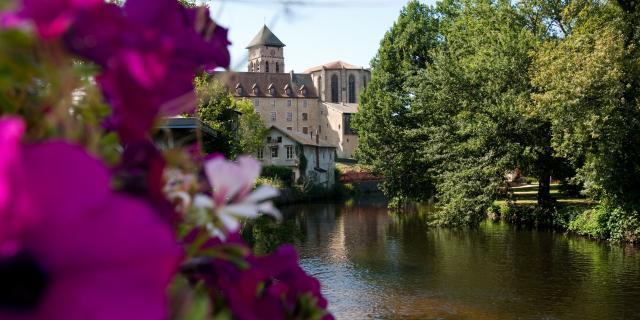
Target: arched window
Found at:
x=334, y=88
x=266, y=66
x=352, y=89
x=277, y=67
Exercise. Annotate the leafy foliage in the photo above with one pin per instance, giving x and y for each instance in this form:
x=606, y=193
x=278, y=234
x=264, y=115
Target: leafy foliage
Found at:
x=550, y=87
x=239, y=128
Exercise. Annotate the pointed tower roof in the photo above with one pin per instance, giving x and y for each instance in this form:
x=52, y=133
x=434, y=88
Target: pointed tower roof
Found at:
x=265, y=38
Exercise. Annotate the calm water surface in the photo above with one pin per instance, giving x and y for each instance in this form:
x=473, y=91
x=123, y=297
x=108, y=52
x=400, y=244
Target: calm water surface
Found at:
x=374, y=264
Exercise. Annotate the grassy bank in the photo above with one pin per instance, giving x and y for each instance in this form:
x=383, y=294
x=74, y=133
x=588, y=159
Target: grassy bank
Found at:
x=571, y=213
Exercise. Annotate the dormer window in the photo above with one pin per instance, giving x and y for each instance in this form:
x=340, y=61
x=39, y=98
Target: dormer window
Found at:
x=272, y=89
x=238, y=89
x=287, y=90
x=303, y=90
x=255, y=90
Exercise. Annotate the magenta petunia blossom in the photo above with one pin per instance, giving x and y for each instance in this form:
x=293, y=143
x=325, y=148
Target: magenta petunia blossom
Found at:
x=271, y=287
x=53, y=17
x=70, y=248
x=150, y=52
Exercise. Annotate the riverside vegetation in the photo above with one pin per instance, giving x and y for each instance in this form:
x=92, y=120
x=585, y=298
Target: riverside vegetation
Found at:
x=467, y=90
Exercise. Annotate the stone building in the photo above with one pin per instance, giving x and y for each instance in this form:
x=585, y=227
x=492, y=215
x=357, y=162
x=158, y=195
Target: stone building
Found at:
x=317, y=103
x=286, y=148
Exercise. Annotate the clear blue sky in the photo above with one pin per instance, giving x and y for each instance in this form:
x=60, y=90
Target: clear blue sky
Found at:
x=315, y=31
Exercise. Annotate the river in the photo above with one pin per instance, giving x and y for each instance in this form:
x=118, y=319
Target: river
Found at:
x=377, y=264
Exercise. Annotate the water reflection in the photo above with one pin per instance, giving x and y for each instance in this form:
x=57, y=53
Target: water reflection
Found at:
x=382, y=265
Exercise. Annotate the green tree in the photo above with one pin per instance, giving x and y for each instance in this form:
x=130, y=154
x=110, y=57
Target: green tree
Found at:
x=238, y=127
x=471, y=106
x=587, y=83
x=251, y=129
x=384, y=121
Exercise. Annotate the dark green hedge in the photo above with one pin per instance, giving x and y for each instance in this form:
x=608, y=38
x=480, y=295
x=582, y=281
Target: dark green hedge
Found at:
x=283, y=173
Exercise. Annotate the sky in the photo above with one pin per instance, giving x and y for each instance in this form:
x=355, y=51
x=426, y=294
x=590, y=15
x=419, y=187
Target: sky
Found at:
x=314, y=31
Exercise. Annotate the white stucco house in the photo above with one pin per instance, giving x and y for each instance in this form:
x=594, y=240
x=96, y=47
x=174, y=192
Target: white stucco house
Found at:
x=285, y=148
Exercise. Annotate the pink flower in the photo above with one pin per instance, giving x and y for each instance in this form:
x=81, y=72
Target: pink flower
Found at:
x=70, y=248
x=231, y=197
x=150, y=51
x=53, y=17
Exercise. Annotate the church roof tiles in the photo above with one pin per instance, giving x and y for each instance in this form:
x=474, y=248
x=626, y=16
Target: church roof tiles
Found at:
x=264, y=81
x=265, y=38
x=335, y=65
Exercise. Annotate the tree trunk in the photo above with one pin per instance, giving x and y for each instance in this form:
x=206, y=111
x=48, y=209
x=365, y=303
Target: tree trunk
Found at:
x=544, y=188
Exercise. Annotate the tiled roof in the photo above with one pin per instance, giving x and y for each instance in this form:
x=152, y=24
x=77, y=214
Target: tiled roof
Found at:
x=333, y=66
x=265, y=38
x=301, y=138
x=343, y=107
x=241, y=84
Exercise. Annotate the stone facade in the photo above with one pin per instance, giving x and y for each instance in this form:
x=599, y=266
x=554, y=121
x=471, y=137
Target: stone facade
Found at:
x=283, y=148
x=317, y=104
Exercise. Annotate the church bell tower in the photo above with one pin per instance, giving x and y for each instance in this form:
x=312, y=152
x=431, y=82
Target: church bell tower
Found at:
x=266, y=53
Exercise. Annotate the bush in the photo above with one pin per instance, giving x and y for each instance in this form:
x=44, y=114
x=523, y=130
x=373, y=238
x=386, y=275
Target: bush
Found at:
x=274, y=182
x=608, y=221
x=284, y=174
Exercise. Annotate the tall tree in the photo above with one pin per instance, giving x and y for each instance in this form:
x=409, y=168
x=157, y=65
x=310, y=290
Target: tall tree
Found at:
x=588, y=85
x=384, y=121
x=472, y=100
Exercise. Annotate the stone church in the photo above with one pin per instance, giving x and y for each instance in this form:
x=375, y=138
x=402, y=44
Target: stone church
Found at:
x=316, y=104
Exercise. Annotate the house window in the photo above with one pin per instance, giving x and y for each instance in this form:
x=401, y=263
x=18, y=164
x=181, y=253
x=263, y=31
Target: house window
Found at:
x=352, y=89
x=273, y=116
x=289, y=103
x=289, y=129
x=260, y=154
x=289, y=152
x=319, y=129
x=289, y=116
x=273, y=103
x=304, y=103
x=269, y=139
x=274, y=152
x=304, y=117
x=364, y=81
x=277, y=67
x=305, y=130
x=279, y=139
x=256, y=102
x=266, y=66
x=334, y=88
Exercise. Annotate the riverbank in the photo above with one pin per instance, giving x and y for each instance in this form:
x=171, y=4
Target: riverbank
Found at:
x=376, y=263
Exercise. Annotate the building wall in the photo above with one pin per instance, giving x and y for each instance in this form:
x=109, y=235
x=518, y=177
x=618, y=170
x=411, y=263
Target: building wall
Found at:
x=258, y=56
x=265, y=106
x=325, y=159
x=322, y=81
x=334, y=121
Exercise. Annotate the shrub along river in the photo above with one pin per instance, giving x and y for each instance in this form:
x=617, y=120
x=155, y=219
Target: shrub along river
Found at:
x=378, y=264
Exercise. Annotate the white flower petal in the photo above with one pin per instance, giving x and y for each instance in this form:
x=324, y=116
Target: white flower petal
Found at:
x=230, y=223
x=202, y=201
x=270, y=209
x=262, y=193
x=245, y=210
x=225, y=178
x=251, y=169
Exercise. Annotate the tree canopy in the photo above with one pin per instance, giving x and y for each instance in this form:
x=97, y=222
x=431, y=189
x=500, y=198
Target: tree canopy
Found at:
x=485, y=87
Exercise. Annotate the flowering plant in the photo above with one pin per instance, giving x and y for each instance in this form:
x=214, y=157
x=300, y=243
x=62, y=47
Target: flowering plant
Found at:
x=95, y=221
